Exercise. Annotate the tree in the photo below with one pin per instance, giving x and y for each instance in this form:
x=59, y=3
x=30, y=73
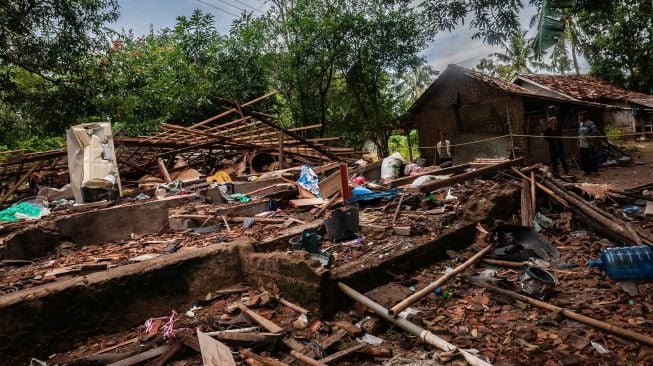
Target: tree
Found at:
x=177, y=74
x=518, y=57
x=49, y=38
x=557, y=28
x=619, y=42
x=412, y=82
x=493, y=20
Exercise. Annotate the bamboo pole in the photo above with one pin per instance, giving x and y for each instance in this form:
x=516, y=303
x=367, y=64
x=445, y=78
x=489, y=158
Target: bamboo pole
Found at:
x=295, y=307
x=305, y=359
x=423, y=334
x=572, y=315
x=395, y=310
x=533, y=195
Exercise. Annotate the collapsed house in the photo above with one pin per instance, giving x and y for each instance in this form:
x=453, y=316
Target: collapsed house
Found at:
x=268, y=247
x=495, y=118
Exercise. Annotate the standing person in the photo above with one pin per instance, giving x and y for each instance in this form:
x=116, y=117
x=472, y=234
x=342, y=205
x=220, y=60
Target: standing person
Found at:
x=444, y=149
x=553, y=135
x=586, y=128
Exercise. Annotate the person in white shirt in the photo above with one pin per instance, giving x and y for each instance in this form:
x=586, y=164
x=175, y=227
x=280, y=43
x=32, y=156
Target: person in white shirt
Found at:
x=444, y=148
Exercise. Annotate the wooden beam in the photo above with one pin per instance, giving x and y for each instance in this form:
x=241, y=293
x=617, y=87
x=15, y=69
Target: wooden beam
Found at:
x=20, y=181
x=470, y=175
x=267, y=324
x=263, y=118
x=164, y=170
x=407, y=180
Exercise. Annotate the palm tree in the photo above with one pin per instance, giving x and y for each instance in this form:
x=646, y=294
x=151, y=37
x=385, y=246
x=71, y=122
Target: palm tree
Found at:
x=412, y=82
x=556, y=28
x=518, y=58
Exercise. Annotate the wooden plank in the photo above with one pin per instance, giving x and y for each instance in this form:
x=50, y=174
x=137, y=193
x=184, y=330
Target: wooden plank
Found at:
x=155, y=352
x=309, y=127
x=268, y=325
x=129, y=341
x=470, y=175
x=330, y=185
x=335, y=337
x=248, y=337
x=214, y=353
x=340, y=354
x=163, y=359
x=307, y=202
x=433, y=171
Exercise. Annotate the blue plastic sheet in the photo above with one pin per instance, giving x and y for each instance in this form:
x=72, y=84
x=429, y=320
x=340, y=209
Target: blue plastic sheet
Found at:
x=364, y=194
x=309, y=180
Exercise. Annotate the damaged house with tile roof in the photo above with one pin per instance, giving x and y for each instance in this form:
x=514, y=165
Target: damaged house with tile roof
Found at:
x=630, y=111
x=479, y=113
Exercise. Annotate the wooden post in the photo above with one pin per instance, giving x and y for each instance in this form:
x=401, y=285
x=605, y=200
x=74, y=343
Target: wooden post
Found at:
x=344, y=183
x=281, y=165
x=164, y=170
x=512, y=141
x=526, y=205
x=533, y=196
x=410, y=146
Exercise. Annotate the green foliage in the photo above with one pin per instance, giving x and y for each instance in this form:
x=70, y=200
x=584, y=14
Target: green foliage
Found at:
x=493, y=21
x=50, y=38
x=615, y=134
x=399, y=143
x=619, y=42
x=517, y=58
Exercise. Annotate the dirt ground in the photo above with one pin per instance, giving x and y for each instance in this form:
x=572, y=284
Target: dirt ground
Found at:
x=628, y=176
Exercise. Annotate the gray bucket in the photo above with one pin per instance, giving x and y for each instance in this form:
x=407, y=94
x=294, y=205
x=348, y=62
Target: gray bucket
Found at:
x=537, y=282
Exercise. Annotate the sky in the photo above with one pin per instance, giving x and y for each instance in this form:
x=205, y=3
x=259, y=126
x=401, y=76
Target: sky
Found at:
x=456, y=47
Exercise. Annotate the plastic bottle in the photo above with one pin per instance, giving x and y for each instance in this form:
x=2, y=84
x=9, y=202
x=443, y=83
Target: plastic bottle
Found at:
x=626, y=263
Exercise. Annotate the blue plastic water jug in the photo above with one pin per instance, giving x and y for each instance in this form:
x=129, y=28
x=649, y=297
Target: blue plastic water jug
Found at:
x=626, y=263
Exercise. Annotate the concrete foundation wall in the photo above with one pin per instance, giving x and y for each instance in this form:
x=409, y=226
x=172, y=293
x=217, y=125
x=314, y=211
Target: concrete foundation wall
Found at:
x=118, y=223
x=42, y=320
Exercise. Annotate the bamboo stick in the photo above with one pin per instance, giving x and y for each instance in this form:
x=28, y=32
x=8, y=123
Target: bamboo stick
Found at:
x=305, y=359
x=396, y=215
x=424, y=335
x=572, y=315
x=395, y=310
x=295, y=307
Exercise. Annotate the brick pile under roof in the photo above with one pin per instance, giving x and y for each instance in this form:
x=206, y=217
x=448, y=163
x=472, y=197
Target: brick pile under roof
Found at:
x=587, y=88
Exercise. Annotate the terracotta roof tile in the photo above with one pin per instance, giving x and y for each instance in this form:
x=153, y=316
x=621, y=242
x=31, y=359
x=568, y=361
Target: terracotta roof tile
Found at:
x=587, y=88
